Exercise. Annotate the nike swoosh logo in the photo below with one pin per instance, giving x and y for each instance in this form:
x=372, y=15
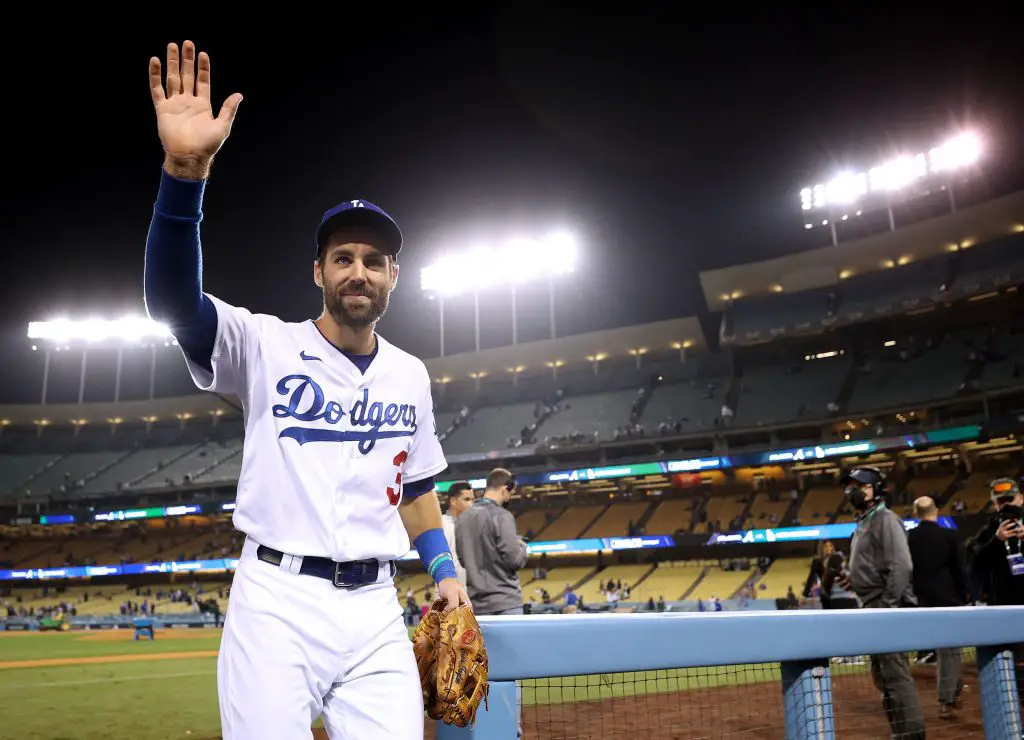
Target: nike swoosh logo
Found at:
x=304, y=356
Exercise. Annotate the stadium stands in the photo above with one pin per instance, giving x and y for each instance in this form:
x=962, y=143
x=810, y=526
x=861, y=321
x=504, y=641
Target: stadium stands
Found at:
x=611, y=431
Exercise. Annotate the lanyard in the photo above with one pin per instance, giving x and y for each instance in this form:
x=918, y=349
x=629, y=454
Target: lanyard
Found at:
x=863, y=521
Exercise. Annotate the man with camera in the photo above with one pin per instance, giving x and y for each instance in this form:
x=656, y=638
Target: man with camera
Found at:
x=996, y=559
x=880, y=572
x=996, y=554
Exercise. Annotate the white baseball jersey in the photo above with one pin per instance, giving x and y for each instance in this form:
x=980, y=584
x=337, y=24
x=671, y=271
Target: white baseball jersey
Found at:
x=326, y=447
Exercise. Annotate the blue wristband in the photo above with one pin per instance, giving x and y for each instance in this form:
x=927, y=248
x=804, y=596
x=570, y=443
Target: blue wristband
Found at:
x=432, y=546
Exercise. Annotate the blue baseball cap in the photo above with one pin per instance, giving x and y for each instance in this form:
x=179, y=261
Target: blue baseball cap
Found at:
x=360, y=213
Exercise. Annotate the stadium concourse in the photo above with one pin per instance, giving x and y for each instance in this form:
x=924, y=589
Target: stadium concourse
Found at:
x=661, y=470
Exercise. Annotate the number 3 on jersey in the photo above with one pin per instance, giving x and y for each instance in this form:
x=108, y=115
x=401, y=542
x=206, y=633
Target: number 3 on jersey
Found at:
x=395, y=494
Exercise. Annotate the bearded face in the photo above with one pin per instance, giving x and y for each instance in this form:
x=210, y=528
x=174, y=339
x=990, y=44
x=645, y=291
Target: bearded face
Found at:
x=357, y=279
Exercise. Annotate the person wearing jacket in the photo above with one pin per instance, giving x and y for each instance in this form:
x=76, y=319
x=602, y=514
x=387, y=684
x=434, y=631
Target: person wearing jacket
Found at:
x=490, y=549
x=997, y=546
x=940, y=579
x=880, y=573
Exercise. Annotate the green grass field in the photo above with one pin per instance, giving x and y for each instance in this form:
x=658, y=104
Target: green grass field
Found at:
x=160, y=697
x=149, y=698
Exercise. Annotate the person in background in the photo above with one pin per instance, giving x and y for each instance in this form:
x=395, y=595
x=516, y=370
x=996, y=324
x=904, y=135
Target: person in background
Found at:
x=880, y=573
x=996, y=551
x=492, y=553
x=490, y=550
x=571, y=600
x=997, y=562
x=460, y=498
x=940, y=579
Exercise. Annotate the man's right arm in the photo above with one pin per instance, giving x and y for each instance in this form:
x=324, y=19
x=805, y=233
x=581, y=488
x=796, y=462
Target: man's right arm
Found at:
x=173, y=268
x=511, y=547
x=212, y=334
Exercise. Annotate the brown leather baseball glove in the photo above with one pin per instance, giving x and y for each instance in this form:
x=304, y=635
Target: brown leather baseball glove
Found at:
x=452, y=661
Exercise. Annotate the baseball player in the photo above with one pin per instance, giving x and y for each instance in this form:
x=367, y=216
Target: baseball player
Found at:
x=339, y=456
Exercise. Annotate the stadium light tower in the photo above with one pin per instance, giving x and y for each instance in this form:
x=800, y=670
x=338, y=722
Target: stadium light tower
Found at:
x=516, y=262
x=851, y=193
x=95, y=333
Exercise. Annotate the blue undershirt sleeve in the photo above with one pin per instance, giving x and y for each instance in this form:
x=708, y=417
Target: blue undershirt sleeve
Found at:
x=411, y=491
x=173, y=275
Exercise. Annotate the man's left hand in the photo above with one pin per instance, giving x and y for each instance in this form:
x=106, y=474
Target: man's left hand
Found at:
x=453, y=593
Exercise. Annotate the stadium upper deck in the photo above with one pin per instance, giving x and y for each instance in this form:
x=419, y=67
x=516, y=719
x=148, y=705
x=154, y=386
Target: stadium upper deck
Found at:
x=929, y=337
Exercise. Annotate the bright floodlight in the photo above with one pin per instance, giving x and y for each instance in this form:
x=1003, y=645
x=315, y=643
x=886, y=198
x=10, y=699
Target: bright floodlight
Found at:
x=515, y=262
x=901, y=172
x=960, y=151
x=62, y=331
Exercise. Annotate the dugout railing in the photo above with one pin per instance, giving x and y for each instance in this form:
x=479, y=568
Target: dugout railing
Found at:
x=755, y=674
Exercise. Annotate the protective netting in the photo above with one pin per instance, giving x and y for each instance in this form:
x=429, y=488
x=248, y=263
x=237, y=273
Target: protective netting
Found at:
x=721, y=701
x=893, y=699
x=898, y=693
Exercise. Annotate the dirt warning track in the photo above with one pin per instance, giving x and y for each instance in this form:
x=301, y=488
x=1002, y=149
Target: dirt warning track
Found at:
x=95, y=659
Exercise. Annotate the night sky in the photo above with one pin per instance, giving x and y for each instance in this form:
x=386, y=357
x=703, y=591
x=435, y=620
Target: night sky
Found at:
x=669, y=144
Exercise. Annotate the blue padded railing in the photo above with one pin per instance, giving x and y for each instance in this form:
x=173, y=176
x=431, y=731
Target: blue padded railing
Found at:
x=541, y=647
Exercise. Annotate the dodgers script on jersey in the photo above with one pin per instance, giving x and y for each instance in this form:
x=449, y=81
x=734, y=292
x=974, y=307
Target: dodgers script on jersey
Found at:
x=327, y=448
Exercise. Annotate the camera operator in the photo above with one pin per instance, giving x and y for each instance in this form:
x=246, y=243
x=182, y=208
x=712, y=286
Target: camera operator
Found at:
x=996, y=553
x=880, y=573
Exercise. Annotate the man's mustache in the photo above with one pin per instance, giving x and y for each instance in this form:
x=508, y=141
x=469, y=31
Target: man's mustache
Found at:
x=365, y=292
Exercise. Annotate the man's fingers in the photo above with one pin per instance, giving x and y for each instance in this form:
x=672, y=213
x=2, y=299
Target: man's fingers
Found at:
x=173, y=72
x=229, y=110
x=203, y=79
x=188, y=68
x=156, y=83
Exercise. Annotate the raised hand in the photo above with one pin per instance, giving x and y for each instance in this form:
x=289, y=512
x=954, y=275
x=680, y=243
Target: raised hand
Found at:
x=188, y=130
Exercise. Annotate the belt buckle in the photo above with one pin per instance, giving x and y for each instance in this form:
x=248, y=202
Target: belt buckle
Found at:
x=339, y=573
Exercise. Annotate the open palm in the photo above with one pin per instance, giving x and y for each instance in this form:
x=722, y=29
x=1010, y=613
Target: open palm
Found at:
x=185, y=122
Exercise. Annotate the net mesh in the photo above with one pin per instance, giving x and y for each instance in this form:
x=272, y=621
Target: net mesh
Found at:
x=747, y=701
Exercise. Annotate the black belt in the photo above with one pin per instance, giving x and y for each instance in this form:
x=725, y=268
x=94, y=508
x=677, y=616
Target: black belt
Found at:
x=352, y=574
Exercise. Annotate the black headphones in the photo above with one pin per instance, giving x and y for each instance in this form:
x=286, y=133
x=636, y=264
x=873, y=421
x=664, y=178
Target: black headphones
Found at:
x=511, y=484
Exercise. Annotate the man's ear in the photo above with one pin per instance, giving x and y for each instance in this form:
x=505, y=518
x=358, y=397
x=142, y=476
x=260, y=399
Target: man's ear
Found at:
x=394, y=274
x=318, y=275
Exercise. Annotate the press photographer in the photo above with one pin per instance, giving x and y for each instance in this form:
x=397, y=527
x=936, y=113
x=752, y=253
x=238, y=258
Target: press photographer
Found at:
x=996, y=559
